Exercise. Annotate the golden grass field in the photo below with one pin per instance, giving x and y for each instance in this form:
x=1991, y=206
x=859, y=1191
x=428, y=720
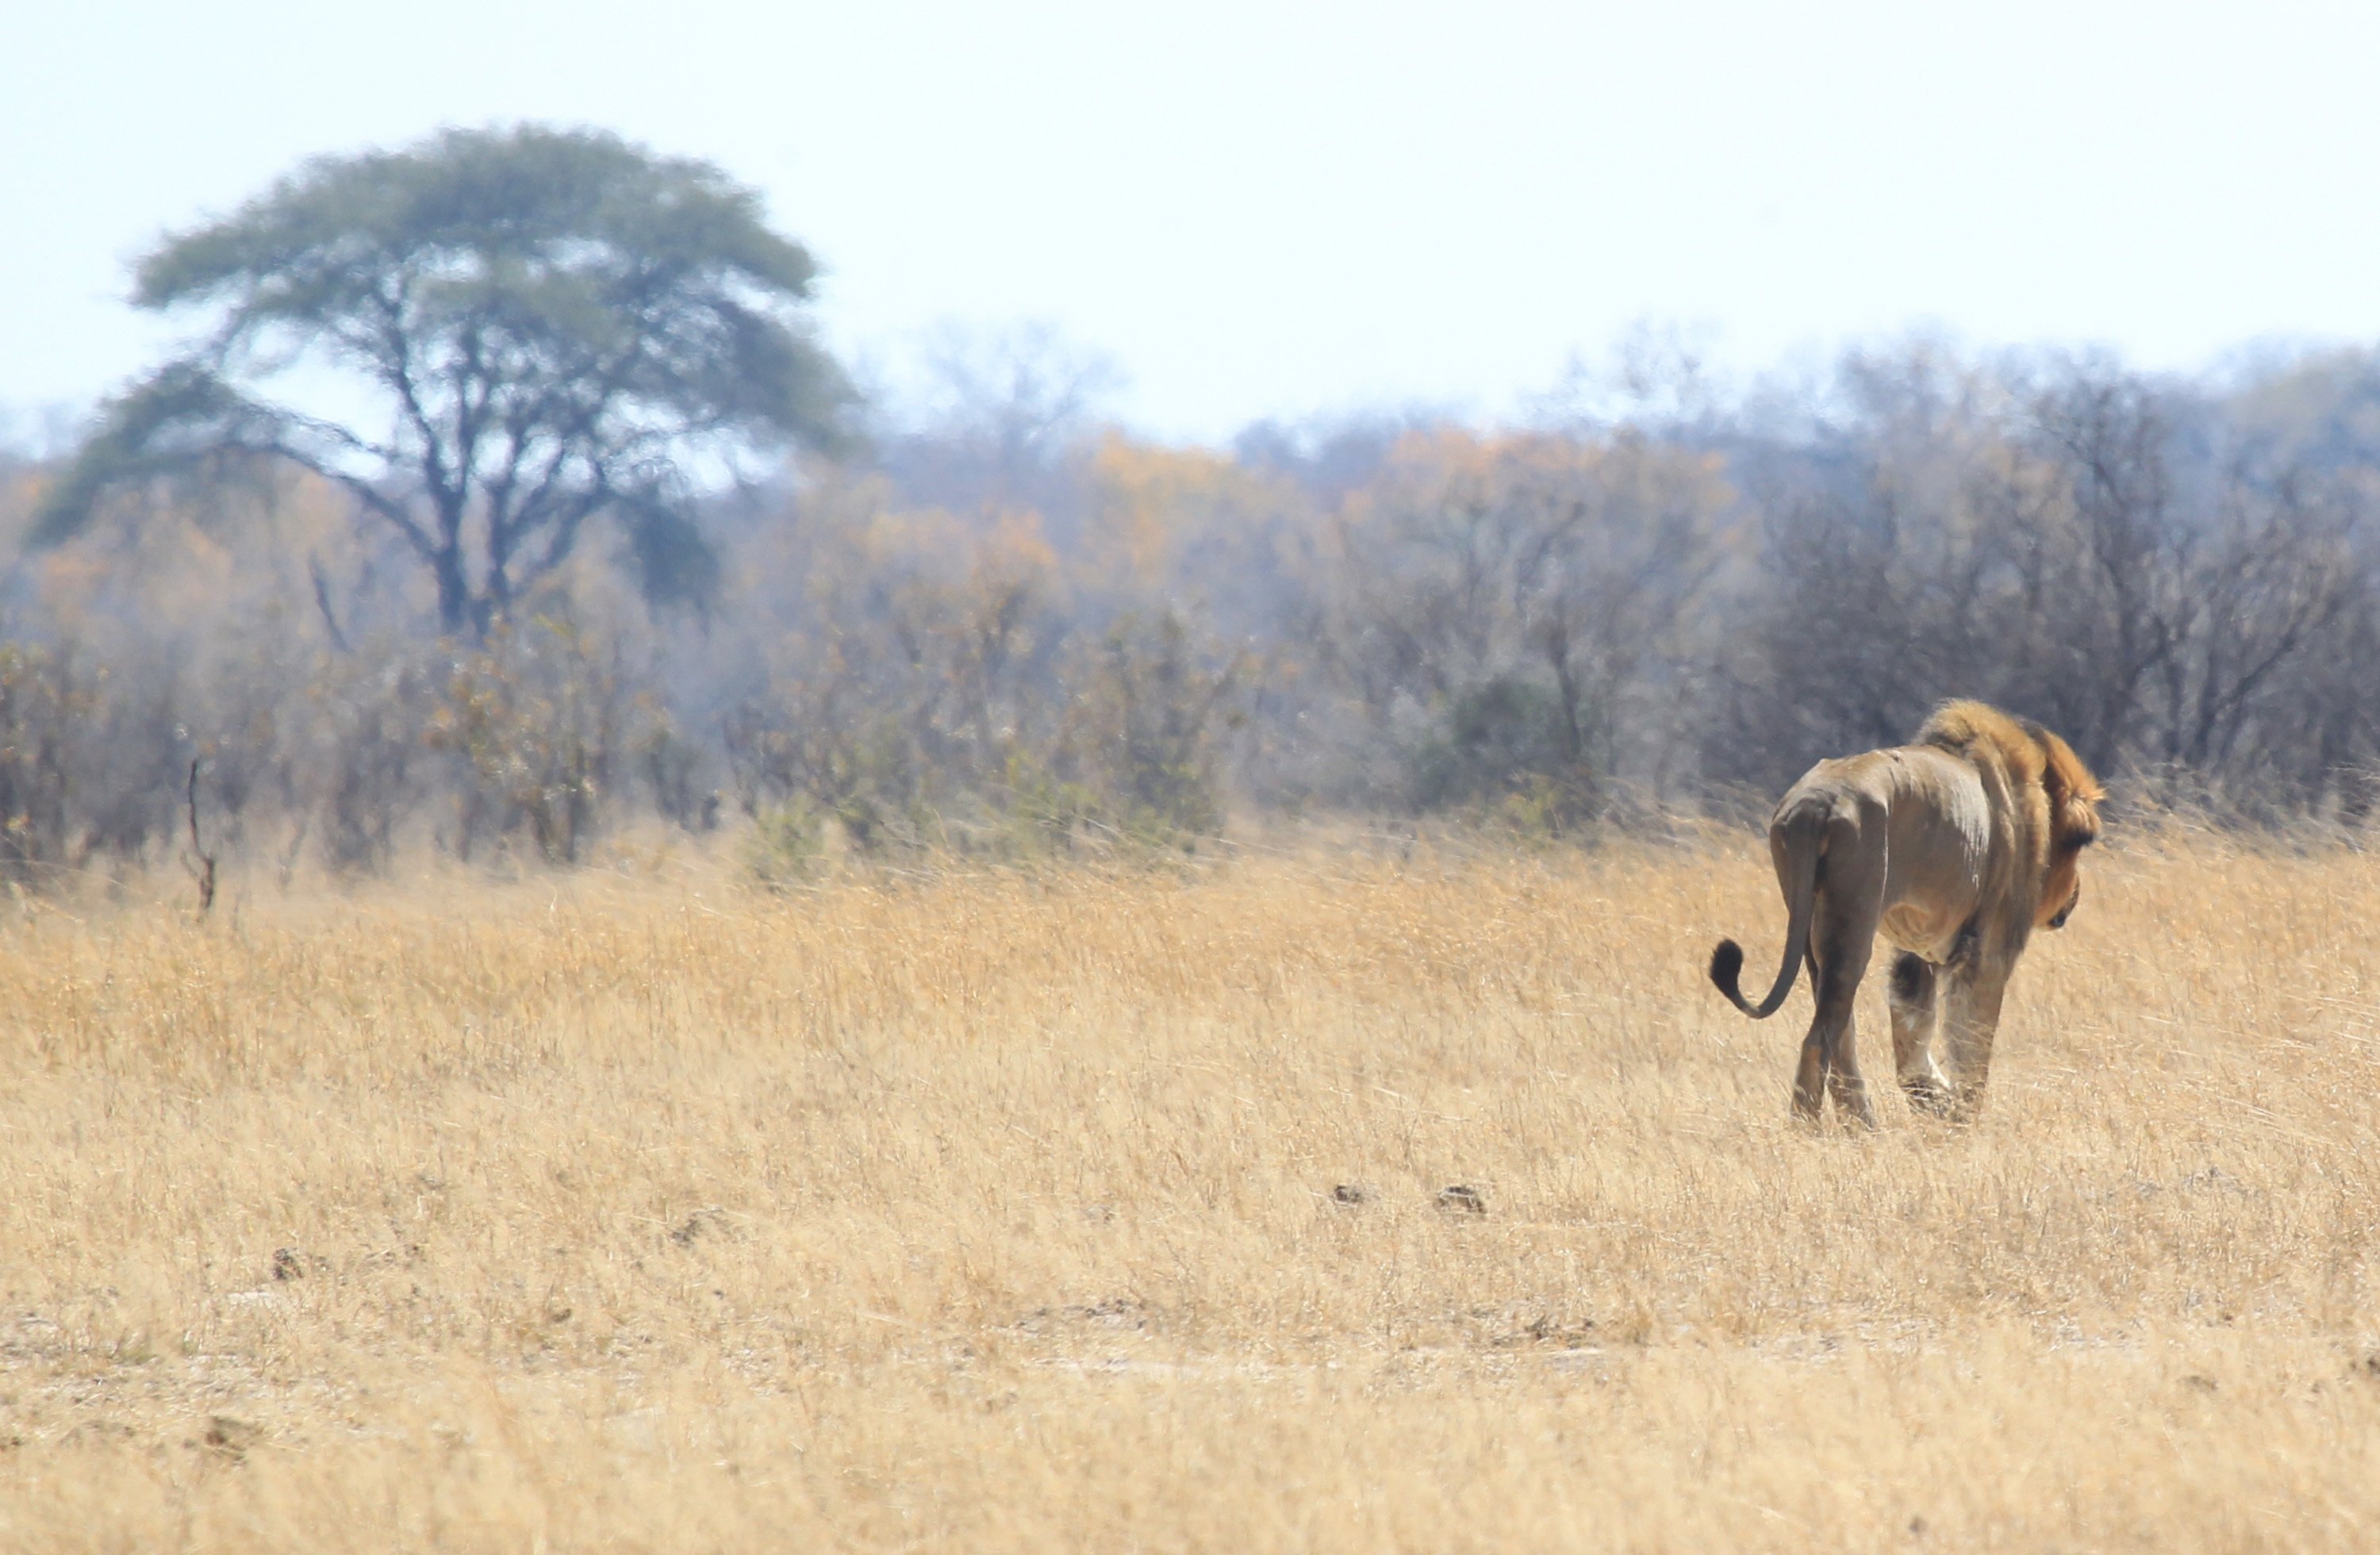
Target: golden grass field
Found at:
x=638, y=1209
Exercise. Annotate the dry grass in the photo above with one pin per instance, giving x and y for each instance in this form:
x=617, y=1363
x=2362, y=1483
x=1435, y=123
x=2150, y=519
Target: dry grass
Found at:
x=997, y=1212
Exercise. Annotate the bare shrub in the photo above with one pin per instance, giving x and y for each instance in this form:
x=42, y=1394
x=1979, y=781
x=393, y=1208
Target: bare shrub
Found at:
x=537, y=718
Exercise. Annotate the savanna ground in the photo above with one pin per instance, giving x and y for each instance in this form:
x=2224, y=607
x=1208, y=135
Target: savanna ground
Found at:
x=639, y=1209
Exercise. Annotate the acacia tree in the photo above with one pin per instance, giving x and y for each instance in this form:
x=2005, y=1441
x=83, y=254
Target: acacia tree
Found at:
x=553, y=327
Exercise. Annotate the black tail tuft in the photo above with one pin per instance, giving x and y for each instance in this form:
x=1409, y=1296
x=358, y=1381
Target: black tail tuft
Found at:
x=1727, y=970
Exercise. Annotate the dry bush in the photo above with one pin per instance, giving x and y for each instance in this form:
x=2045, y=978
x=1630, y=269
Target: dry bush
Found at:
x=86, y=756
x=538, y=717
x=1512, y=614
x=38, y=702
x=1000, y=1210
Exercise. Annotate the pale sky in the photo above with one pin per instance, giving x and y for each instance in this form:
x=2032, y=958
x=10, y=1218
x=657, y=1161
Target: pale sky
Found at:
x=1281, y=209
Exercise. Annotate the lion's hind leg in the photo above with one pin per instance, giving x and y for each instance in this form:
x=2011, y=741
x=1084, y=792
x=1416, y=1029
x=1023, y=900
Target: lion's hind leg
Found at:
x=1916, y=998
x=1810, y=1073
x=1844, y=1080
x=1839, y=953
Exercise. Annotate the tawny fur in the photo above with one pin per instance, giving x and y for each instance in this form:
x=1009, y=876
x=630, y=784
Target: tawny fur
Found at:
x=1954, y=848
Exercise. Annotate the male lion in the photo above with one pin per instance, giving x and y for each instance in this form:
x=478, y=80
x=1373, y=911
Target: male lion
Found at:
x=1953, y=847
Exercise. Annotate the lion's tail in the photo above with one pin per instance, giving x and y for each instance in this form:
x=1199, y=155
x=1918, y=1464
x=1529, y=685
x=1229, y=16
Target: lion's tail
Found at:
x=1805, y=847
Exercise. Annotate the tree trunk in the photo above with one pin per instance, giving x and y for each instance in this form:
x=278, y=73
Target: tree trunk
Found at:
x=456, y=617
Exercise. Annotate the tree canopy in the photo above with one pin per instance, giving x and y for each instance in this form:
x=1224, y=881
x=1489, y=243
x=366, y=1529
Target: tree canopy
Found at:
x=555, y=327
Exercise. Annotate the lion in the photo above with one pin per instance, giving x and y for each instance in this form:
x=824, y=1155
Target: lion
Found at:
x=1954, y=847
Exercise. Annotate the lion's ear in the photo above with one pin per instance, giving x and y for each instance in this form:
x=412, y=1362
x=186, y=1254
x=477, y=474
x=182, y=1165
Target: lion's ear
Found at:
x=2075, y=794
x=2054, y=780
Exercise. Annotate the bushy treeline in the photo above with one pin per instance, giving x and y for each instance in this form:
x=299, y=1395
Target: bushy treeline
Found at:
x=1011, y=631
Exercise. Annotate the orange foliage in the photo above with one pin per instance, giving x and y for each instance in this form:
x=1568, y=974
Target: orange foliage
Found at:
x=1156, y=511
